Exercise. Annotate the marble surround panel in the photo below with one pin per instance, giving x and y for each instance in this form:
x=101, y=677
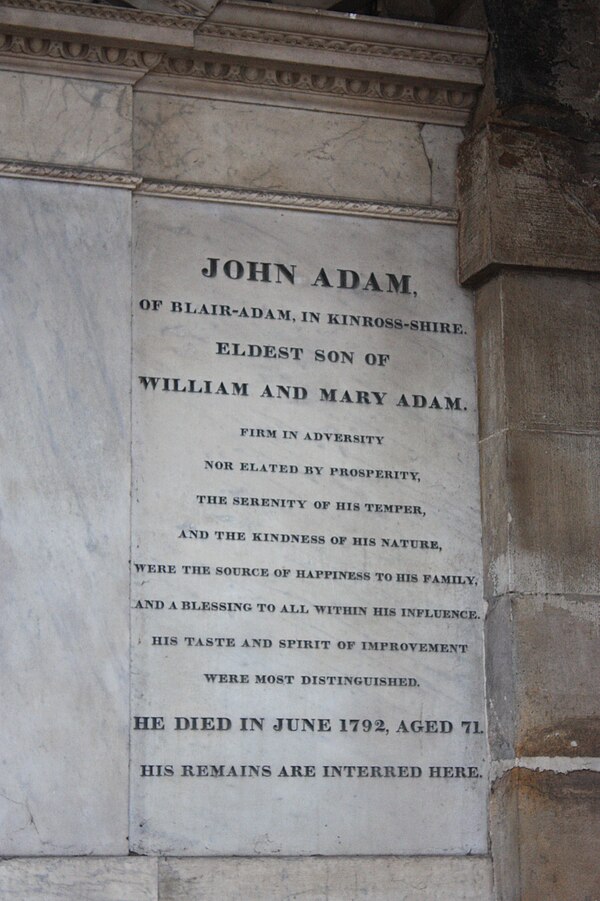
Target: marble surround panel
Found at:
x=182, y=879
x=77, y=878
x=334, y=879
x=65, y=518
x=223, y=143
x=441, y=143
x=71, y=121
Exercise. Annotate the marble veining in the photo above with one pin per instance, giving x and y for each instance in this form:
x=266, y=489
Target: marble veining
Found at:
x=65, y=120
x=65, y=518
x=223, y=143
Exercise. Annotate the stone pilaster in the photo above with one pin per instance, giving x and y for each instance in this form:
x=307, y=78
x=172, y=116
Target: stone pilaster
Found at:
x=530, y=247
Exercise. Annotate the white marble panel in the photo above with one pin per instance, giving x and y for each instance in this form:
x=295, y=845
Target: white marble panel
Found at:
x=333, y=879
x=79, y=879
x=441, y=143
x=66, y=121
x=374, y=568
x=65, y=317
x=280, y=149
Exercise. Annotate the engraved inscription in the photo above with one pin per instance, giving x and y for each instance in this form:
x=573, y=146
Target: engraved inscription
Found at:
x=306, y=590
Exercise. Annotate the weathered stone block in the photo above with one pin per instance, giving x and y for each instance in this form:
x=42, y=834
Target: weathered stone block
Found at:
x=497, y=543
x=555, y=819
x=533, y=179
x=551, y=327
x=491, y=358
x=504, y=835
x=558, y=670
x=501, y=678
x=538, y=360
x=554, y=498
x=543, y=671
x=543, y=533
x=77, y=878
x=333, y=879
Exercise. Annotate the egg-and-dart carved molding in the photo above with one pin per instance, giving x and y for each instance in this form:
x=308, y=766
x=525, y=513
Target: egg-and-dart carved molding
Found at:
x=76, y=52
x=349, y=86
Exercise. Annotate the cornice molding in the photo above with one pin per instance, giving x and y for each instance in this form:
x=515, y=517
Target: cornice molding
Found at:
x=314, y=203
x=275, y=56
x=77, y=52
x=349, y=86
x=106, y=13
x=181, y=7
x=373, y=95
x=75, y=58
x=340, y=45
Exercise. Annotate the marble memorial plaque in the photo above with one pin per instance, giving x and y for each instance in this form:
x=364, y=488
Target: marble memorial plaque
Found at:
x=306, y=575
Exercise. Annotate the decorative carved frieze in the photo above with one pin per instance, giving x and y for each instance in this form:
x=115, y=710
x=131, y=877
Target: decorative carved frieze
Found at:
x=352, y=87
x=81, y=175
x=307, y=202
x=211, y=72
x=394, y=70
x=43, y=48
